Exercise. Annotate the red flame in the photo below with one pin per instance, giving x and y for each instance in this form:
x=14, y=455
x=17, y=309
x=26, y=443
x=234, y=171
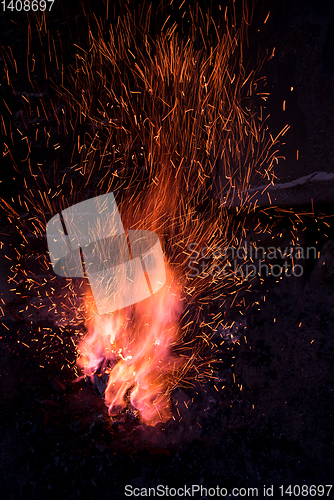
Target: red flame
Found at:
x=135, y=347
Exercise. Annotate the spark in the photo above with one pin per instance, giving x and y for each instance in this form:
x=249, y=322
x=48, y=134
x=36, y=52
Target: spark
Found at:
x=166, y=126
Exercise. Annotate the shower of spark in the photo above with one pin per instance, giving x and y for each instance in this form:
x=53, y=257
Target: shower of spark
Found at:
x=158, y=107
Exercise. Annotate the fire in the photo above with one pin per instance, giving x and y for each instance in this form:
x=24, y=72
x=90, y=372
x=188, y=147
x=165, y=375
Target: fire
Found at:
x=166, y=121
x=134, y=347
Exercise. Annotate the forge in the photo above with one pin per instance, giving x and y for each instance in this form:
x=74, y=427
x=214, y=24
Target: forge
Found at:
x=167, y=248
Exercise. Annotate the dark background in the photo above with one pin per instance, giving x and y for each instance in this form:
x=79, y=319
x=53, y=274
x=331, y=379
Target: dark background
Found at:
x=56, y=439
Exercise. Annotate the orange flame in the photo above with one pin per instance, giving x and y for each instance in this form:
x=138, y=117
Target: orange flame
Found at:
x=135, y=348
